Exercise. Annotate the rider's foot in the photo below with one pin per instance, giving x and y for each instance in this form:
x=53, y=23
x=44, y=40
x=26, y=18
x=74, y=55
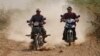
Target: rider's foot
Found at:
x=75, y=38
x=44, y=41
x=47, y=35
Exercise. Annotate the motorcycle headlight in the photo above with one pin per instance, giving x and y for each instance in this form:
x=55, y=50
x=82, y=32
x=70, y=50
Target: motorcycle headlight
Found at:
x=73, y=26
x=70, y=20
x=36, y=23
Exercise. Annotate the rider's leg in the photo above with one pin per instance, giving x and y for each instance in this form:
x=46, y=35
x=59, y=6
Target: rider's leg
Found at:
x=74, y=34
x=43, y=34
x=65, y=34
x=31, y=44
x=32, y=34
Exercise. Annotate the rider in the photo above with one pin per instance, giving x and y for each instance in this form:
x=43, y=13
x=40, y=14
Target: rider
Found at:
x=72, y=15
x=39, y=18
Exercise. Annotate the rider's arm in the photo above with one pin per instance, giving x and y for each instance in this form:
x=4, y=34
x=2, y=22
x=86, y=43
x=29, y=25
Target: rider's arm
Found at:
x=43, y=20
x=63, y=18
x=31, y=20
x=76, y=17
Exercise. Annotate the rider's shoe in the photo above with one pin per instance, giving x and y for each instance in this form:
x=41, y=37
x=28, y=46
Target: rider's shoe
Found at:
x=44, y=41
x=47, y=35
x=75, y=38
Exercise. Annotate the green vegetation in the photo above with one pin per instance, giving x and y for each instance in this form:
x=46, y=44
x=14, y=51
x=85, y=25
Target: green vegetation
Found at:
x=93, y=5
x=4, y=18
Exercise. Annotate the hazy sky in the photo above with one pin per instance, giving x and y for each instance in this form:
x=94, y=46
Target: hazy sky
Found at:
x=10, y=4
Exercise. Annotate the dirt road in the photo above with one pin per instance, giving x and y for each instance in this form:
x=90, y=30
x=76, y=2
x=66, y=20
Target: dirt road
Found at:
x=12, y=48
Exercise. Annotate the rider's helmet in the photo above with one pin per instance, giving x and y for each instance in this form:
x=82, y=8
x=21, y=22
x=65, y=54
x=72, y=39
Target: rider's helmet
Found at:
x=38, y=10
x=69, y=8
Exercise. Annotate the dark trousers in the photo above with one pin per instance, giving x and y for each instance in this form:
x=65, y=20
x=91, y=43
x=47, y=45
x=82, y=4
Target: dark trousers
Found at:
x=65, y=34
x=43, y=32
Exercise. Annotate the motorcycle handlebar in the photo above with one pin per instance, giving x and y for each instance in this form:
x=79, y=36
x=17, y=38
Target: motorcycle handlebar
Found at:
x=61, y=15
x=28, y=21
x=44, y=19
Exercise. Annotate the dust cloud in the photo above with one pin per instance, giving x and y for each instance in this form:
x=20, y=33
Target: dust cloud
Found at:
x=51, y=9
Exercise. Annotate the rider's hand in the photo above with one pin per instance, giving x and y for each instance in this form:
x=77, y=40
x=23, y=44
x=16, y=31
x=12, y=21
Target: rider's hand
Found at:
x=44, y=22
x=28, y=21
x=60, y=20
x=78, y=16
x=61, y=15
x=44, y=19
x=77, y=20
x=30, y=24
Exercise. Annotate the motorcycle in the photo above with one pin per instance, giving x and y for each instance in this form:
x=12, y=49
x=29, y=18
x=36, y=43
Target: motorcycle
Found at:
x=38, y=39
x=69, y=25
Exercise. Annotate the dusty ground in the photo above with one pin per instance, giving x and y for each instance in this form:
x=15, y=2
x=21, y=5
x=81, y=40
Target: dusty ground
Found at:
x=12, y=48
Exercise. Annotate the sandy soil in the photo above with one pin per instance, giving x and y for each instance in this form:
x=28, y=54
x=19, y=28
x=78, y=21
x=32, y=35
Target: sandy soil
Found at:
x=12, y=48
